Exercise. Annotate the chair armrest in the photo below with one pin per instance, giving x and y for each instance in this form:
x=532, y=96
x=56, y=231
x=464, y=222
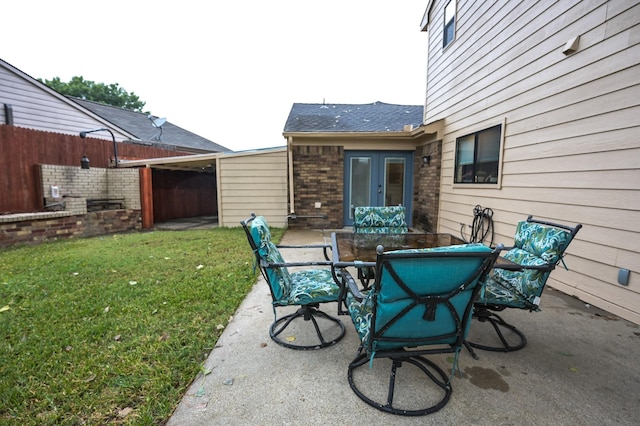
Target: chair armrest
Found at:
x=324, y=248
x=546, y=267
x=502, y=263
x=265, y=264
x=352, y=286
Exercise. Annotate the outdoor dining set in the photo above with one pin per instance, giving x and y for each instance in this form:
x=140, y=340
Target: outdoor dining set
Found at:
x=409, y=295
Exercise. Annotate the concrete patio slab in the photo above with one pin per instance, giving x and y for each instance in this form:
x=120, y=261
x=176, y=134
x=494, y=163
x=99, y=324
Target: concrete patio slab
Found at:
x=579, y=367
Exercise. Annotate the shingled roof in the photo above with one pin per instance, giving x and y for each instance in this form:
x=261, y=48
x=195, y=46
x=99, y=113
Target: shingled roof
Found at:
x=375, y=117
x=140, y=125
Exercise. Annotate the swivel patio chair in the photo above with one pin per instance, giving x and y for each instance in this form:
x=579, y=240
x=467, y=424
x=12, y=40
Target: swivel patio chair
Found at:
x=306, y=288
x=538, y=247
x=378, y=220
x=420, y=304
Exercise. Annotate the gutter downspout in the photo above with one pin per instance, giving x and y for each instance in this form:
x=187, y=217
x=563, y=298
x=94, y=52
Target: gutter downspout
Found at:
x=290, y=173
x=219, y=191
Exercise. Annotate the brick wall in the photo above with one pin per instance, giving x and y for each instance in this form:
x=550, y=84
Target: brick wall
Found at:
x=92, y=183
x=318, y=174
x=426, y=187
x=124, y=183
x=319, y=177
x=40, y=227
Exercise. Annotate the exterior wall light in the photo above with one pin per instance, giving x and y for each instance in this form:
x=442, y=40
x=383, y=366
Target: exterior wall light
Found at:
x=102, y=129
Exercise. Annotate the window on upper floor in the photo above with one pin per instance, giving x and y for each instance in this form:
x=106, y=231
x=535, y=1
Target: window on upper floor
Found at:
x=449, y=23
x=478, y=157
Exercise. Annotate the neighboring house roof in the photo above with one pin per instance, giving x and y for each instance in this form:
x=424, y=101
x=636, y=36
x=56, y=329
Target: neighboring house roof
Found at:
x=39, y=107
x=376, y=117
x=141, y=126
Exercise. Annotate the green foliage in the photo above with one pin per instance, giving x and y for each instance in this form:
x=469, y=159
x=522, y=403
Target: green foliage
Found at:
x=114, y=329
x=109, y=94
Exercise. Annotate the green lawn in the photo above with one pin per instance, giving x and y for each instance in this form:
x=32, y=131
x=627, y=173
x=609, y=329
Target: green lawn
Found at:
x=114, y=329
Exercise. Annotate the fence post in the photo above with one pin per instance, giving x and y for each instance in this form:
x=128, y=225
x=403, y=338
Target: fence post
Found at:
x=146, y=198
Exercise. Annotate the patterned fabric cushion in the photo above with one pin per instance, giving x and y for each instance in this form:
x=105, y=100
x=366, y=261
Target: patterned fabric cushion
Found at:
x=543, y=241
x=292, y=288
x=535, y=245
x=279, y=278
x=313, y=286
x=361, y=312
x=389, y=219
x=517, y=289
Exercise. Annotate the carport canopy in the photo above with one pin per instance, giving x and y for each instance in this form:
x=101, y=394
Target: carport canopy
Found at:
x=203, y=163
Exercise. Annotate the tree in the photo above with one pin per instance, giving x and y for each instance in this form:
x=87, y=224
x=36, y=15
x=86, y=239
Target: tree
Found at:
x=111, y=94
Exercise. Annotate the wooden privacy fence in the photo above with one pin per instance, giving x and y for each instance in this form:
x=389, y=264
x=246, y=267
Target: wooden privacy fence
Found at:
x=21, y=150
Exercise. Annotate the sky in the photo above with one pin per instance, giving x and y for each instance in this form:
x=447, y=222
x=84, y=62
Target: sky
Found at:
x=228, y=71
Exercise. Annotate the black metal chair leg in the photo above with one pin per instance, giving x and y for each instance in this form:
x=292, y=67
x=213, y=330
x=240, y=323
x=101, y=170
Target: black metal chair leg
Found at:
x=498, y=323
x=435, y=374
x=473, y=353
x=306, y=313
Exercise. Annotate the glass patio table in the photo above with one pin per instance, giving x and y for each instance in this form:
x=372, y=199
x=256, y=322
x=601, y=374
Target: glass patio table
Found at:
x=359, y=250
x=351, y=249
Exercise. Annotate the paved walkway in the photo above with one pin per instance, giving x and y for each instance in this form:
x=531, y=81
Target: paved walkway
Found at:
x=579, y=367
x=188, y=223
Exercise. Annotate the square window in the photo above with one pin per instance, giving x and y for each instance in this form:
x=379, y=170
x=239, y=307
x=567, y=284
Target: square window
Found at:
x=449, y=23
x=478, y=157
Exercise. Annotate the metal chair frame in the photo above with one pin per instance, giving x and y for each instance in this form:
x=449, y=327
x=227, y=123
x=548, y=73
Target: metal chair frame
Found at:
x=414, y=350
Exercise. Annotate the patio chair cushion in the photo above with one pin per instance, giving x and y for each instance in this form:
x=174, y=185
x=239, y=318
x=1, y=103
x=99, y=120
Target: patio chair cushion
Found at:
x=292, y=288
x=375, y=219
x=535, y=245
x=312, y=286
x=517, y=289
x=435, y=277
x=279, y=277
x=360, y=312
x=543, y=241
x=441, y=276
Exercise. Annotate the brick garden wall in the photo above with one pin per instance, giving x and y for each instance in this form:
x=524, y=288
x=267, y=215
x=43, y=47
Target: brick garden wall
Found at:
x=36, y=228
x=71, y=220
x=318, y=175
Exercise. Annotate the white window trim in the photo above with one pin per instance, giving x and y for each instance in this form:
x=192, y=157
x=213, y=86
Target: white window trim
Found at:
x=455, y=24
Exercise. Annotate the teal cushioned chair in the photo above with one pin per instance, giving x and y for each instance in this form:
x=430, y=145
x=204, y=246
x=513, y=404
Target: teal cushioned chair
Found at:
x=421, y=304
x=306, y=288
x=538, y=247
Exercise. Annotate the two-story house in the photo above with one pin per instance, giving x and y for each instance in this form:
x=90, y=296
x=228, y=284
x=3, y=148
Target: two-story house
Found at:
x=540, y=107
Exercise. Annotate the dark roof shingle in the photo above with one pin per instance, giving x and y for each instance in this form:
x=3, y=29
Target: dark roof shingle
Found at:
x=139, y=124
x=375, y=117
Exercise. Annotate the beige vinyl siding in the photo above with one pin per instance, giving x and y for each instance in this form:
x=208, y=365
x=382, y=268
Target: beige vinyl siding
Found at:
x=253, y=183
x=571, y=151
x=38, y=108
